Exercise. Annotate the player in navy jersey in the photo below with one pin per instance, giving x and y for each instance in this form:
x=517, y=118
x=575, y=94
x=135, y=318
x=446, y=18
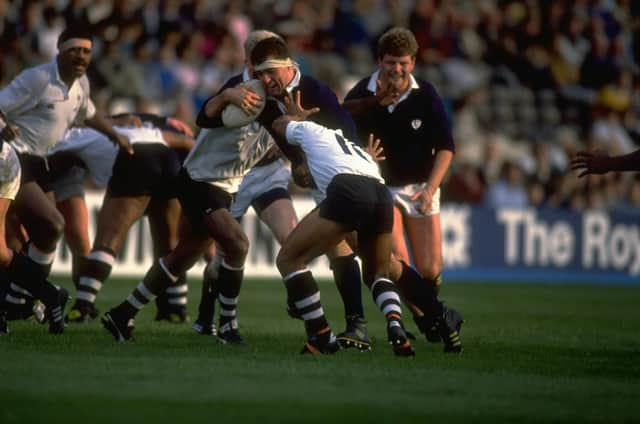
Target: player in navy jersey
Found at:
x=409, y=118
x=209, y=178
x=283, y=78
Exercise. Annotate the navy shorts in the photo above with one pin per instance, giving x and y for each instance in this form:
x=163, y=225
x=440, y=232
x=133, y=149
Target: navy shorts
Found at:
x=45, y=171
x=69, y=184
x=198, y=199
x=359, y=203
x=151, y=171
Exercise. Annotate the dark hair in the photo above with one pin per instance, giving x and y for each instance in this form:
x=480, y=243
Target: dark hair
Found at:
x=397, y=42
x=78, y=31
x=269, y=48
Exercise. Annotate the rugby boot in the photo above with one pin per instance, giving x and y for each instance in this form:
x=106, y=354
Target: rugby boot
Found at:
x=54, y=311
x=204, y=329
x=173, y=314
x=82, y=312
x=231, y=336
x=398, y=339
x=120, y=328
x=324, y=343
x=448, y=326
x=427, y=326
x=355, y=335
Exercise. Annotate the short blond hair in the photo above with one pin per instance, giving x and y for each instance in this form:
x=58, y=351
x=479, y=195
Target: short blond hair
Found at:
x=397, y=42
x=255, y=37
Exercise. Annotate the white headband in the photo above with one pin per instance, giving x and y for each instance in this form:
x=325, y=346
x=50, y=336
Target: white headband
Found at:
x=274, y=63
x=75, y=42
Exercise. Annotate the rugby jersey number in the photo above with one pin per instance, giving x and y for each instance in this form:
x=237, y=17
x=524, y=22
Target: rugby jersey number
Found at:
x=350, y=148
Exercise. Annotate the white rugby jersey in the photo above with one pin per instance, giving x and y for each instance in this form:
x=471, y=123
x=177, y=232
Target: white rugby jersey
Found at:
x=43, y=107
x=329, y=153
x=223, y=156
x=98, y=152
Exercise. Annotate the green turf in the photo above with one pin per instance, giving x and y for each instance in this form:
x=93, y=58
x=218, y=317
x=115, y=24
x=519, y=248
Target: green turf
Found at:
x=533, y=353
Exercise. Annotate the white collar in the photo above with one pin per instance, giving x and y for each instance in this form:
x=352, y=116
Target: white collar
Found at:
x=295, y=81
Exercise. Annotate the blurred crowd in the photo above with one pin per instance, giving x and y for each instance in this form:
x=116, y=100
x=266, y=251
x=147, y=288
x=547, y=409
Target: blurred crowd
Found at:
x=528, y=82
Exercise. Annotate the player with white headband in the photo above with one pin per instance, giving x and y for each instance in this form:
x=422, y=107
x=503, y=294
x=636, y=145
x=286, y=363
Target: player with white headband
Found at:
x=38, y=106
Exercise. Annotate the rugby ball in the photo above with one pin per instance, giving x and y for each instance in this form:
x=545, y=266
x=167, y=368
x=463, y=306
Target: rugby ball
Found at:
x=233, y=116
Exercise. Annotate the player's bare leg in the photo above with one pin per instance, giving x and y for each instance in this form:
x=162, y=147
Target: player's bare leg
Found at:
x=116, y=217
x=27, y=274
x=43, y=223
x=312, y=237
x=193, y=242
x=76, y=232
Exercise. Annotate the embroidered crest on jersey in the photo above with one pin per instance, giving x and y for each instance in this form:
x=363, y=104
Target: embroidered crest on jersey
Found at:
x=416, y=123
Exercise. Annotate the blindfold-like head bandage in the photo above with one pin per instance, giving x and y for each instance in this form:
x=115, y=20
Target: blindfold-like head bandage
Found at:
x=72, y=43
x=274, y=63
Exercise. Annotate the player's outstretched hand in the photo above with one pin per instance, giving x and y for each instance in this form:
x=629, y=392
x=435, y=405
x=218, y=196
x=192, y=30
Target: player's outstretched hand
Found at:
x=294, y=107
x=595, y=162
x=374, y=149
x=386, y=94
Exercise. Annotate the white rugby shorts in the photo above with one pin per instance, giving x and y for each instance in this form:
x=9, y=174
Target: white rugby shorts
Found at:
x=402, y=198
x=259, y=180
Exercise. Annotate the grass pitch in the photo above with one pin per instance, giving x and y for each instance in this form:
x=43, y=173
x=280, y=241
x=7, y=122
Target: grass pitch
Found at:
x=533, y=353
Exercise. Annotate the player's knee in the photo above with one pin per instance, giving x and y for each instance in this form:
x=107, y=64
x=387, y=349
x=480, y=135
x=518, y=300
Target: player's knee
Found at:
x=5, y=257
x=237, y=249
x=48, y=234
x=284, y=262
x=431, y=270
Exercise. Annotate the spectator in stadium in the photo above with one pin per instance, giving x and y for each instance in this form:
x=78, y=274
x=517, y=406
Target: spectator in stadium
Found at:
x=509, y=191
x=409, y=118
x=40, y=104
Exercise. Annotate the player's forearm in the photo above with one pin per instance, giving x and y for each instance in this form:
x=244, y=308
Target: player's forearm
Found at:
x=210, y=114
x=178, y=141
x=629, y=162
x=100, y=124
x=440, y=167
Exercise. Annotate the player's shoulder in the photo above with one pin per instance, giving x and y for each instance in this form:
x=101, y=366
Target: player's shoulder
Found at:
x=425, y=88
x=37, y=77
x=309, y=84
x=232, y=82
x=359, y=89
